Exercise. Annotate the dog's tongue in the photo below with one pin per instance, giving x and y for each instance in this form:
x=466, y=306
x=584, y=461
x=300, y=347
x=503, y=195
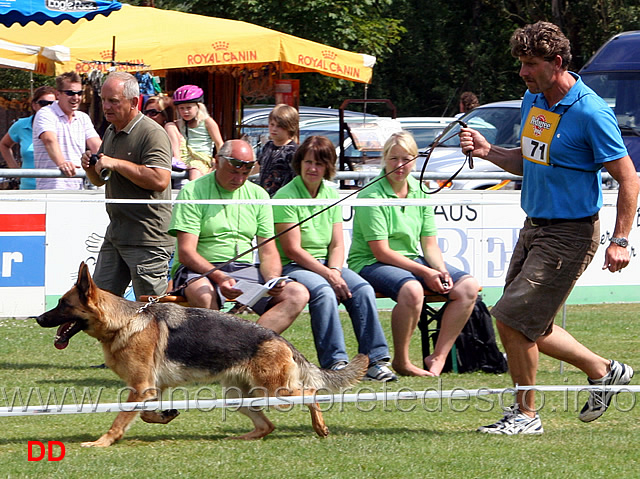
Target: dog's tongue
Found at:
x=61, y=340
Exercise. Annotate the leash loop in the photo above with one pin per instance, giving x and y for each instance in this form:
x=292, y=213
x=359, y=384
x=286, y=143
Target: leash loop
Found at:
x=439, y=140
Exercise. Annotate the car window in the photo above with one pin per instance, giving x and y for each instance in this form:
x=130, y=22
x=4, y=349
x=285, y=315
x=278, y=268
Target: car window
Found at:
x=424, y=135
x=499, y=125
x=620, y=91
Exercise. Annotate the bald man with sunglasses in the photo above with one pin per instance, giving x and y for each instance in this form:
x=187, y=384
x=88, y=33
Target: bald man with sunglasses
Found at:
x=211, y=235
x=61, y=134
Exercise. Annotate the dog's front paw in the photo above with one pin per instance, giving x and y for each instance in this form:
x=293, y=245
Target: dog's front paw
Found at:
x=104, y=441
x=159, y=417
x=98, y=443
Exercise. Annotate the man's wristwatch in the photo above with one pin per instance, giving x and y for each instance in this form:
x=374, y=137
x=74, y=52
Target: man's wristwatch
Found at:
x=622, y=242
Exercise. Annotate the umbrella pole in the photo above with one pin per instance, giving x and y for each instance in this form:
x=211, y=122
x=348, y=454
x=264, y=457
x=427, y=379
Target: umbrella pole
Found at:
x=31, y=84
x=113, y=53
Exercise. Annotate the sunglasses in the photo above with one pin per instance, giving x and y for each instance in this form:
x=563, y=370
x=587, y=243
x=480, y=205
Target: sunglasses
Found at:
x=71, y=92
x=45, y=102
x=151, y=112
x=239, y=164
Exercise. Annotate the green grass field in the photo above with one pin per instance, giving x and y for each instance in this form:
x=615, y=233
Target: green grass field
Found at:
x=421, y=439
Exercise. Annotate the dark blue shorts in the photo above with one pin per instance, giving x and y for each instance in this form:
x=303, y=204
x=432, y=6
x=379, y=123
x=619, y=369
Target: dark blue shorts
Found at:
x=387, y=279
x=247, y=271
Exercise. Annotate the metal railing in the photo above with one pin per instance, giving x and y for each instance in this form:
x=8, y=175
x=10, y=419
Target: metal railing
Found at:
x=340, y=175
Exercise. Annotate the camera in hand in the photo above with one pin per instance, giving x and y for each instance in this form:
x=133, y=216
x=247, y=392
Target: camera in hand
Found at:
x=105, y=173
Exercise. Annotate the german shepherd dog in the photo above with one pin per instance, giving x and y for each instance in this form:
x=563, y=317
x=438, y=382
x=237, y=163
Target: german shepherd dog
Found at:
x=166, y=345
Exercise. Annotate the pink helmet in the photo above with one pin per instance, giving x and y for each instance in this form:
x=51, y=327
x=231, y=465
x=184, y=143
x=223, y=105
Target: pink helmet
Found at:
x=188, y=94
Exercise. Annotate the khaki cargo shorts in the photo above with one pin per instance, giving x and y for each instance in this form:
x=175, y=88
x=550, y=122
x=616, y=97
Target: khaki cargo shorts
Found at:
x=546, y=263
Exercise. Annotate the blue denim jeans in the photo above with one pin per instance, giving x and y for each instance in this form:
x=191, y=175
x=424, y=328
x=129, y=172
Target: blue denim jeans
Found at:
x=325, y=319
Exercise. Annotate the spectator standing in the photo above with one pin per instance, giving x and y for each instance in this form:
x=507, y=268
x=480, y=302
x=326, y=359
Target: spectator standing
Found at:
x=137, y=152
x=468, y=101
x=313, y=254
x=21, y=133
x=201, y=133
x=276, y=155
x=568, y=134
x=210, y=235
x=62, y=133
x=385, y=251
x=161, y=110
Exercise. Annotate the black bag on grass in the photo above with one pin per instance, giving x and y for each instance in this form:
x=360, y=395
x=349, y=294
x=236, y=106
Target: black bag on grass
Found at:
x=475, y=348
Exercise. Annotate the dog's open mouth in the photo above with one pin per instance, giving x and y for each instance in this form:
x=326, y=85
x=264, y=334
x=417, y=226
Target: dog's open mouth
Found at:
x=65, y=333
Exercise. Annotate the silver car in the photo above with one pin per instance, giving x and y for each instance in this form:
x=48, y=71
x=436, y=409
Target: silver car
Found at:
x=499, y=123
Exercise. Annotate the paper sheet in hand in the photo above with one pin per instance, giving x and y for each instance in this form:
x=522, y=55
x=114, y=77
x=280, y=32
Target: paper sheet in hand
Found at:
x=252, y=292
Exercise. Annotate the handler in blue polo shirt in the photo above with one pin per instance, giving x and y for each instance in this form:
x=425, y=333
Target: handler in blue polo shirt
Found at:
x=568, y=134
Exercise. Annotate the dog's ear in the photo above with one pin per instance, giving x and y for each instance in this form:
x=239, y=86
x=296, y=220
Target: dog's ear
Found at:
x=84, y=282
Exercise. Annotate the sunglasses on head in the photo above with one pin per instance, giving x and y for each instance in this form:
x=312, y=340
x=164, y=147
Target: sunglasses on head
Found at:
x=151, y=112
x=72, y=92
x=45, y=102
x=238, y=164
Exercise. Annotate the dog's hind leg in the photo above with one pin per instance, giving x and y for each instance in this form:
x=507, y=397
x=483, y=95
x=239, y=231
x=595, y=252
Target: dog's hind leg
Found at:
x=262, y=425
x=317, y=420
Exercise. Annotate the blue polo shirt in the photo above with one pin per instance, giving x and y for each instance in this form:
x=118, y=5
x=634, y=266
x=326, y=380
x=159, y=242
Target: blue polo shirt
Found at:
x=587, y=137
x=22, y=133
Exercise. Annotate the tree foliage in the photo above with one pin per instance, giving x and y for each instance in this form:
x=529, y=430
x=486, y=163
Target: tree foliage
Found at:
x=428, y=52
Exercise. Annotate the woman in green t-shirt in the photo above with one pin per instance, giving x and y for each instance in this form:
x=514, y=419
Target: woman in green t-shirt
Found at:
x=396, y=250
x=313, y=254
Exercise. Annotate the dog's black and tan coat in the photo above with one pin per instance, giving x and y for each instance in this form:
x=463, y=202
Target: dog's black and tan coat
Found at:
x=166, y=345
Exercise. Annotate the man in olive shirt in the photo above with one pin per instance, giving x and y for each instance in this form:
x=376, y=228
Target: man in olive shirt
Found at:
x=137, y=152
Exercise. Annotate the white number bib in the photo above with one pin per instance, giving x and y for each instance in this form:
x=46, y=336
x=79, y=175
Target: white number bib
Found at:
x=538, y=131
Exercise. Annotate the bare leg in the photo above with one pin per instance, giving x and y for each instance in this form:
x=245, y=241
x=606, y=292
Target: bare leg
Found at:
x=194, y=173
x=563, y=346
x=288, y=305
x=462, y=299
x=522, y=356
x=404, y=319
x=201, y=294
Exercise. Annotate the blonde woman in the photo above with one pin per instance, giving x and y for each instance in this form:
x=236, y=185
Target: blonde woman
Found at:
x=396, y=250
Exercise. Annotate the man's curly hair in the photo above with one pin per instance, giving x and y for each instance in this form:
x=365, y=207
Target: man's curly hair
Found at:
x=541, y=39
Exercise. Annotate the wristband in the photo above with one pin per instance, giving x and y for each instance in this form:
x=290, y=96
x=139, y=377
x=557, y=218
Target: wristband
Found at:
x=336, y=268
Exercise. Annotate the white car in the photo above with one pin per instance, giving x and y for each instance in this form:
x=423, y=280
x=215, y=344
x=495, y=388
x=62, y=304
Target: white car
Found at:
x=500, y=124
x=425, y=129
x=255, y=121
x=369, y=132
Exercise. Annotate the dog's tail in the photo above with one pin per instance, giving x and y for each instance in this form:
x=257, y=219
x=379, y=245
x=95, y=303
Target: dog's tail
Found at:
x=312, y=377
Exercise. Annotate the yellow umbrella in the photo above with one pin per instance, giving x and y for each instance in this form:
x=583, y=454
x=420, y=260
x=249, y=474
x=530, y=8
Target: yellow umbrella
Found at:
x=166, y=39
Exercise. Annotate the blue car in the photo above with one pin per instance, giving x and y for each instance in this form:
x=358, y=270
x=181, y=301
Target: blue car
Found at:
x=614, y=73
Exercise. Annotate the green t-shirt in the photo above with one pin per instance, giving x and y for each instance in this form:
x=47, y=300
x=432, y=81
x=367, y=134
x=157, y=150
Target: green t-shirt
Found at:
x=222, y=230
x=402, y=226
x=315, y=234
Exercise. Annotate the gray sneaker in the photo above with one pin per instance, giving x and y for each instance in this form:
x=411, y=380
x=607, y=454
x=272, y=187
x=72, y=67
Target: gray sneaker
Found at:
x=339, y=365
x=379, y=371
x=599, y=399
x=514, y=422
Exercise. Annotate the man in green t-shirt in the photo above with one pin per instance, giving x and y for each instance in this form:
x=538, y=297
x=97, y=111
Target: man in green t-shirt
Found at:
x=211, y=234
